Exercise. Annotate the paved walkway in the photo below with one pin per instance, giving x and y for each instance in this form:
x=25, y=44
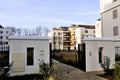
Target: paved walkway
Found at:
x=71, y=73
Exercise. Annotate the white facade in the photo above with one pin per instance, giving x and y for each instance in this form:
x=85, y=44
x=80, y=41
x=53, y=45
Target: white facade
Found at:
x=110, y=10
x=105, y=47
x=66, y=40
x=57, y=39
x=109, y=21
x=81, y=33
x=4, y=34
x=18, y=54
x=92, y=53
x=98, y=29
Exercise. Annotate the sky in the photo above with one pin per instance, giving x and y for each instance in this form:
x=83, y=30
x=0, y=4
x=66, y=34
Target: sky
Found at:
x=48, y=13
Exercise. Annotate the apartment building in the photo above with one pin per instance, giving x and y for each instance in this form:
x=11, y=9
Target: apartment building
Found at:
x=60, y=39
x=79, y=32
x=57, y=39
x=4, y=34
x=110, y=10
x=68, y=38
x=72, y=36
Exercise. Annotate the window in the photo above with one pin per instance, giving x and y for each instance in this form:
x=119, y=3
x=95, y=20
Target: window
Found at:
x=59, y=33
x=54, y=43
x=114, y=0
x=30, y=56
x=6, y=42
x=115, y=31
x=0, y=43
x=86, y=31
x=115, y=14
x=1, y=32
x=1, y=37
x=54, y=33
x=6, y=37
x=6, y=32
x=100, y=54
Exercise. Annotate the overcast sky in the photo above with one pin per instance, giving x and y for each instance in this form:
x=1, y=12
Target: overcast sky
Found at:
x=49, y=13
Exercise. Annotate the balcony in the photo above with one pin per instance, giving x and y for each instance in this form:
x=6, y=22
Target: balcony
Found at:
x=67, y=39
x=66, y=44
x=66, y=34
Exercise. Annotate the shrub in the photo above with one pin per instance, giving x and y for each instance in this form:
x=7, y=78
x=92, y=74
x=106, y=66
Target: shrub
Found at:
x=4, y=71
x=117, y=57
x=106, y=64
x=48, y=71
x=116, y=72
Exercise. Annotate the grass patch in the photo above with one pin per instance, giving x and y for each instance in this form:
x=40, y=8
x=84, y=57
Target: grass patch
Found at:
x=67, y=57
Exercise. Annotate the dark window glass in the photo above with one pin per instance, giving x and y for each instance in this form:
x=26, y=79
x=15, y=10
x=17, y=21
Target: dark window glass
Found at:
x=100, y=54
x=6, y=42
x=1, y=37
x=100, y=57
x=59, y=33
x=1, y=32
x=114, y=0
x=115, y=31
x=6, y=37
x=86, y=31
x=30, y=56
x=6, y=32
x=115, y=14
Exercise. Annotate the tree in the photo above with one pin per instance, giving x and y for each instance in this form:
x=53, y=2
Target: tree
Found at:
x=13, y=29
x=42, y=31
x=37, y=31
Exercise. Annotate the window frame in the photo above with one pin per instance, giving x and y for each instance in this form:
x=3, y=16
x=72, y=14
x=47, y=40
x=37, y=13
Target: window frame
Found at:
x=115, y=14
x=100, y=54
x=7, y=32
x=1, y=32
x=86, y=31
x=1, y=37
x=115, y=31
x=30, y=60
x=114, y=0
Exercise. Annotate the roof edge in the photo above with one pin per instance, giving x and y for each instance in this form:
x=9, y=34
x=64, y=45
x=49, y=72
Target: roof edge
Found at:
x=28, y=38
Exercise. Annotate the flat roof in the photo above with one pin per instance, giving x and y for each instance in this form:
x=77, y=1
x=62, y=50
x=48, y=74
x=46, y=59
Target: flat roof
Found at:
x=28, y=38
x=99, y=39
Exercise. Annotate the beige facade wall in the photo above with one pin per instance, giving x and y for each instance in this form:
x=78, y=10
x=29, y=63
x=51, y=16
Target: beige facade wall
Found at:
x=18, y=55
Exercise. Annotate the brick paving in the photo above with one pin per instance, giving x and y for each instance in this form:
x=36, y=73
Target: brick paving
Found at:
x=71, y=73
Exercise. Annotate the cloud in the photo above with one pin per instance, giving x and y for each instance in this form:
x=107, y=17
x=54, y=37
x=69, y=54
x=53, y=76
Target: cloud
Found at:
x=13, y=3
x=28, y=12
x=62, y=21
x=82, y=13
